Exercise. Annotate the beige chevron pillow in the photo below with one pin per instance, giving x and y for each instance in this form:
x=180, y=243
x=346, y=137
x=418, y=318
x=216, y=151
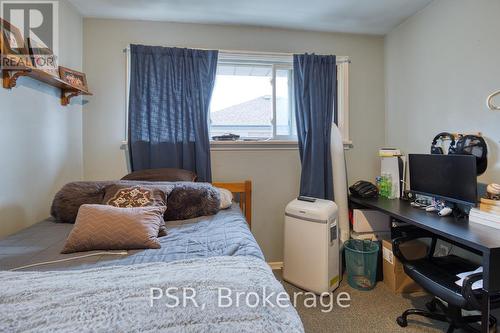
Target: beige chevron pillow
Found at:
x=103, y=227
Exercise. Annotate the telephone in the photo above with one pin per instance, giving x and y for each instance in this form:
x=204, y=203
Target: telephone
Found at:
x=364, y=189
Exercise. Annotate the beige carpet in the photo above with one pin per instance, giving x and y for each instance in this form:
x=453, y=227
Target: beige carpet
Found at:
x=370, y=311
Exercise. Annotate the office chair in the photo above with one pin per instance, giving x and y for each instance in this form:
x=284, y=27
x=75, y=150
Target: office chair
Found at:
x=437, y=275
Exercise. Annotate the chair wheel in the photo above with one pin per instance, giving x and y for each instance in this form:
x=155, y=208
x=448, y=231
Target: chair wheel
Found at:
x=402, y=322
x=431, y=306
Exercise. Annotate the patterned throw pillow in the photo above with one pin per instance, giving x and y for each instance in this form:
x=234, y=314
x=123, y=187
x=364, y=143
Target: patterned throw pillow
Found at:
x=135, y=196
x=129, y=196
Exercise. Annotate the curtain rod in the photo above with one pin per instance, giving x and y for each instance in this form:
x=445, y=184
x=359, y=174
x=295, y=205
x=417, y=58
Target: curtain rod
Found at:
x=340, y=59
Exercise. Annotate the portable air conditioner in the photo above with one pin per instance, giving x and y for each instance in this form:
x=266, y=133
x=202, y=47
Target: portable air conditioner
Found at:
x=311, y=253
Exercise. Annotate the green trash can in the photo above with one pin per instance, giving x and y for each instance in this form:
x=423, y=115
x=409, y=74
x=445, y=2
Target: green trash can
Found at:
x=361, y=257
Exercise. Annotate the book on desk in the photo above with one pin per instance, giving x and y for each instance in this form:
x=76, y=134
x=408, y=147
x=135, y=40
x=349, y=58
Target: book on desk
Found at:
x=487, y=218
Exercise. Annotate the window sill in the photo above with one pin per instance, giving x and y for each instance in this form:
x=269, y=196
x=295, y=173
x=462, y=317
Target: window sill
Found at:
x=254, y=145
x=261, y=145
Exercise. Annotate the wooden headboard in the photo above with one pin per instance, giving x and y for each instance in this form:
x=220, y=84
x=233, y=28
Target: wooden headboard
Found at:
x=244, y=191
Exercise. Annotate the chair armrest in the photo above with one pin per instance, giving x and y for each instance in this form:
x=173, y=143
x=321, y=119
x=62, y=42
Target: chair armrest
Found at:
x=467, y=291
x=396, y=243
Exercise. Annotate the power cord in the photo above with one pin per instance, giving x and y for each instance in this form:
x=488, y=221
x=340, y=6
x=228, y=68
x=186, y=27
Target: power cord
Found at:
x=121, y=253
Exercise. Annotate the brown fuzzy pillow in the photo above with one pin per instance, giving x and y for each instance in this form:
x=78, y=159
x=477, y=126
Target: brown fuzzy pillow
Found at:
x=189, y=200
x=69, y=199
x=103, y=227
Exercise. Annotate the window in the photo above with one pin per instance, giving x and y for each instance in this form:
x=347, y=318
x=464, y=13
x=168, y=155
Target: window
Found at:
x=254, y=97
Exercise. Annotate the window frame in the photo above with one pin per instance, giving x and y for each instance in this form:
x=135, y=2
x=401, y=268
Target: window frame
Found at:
x=285, y=61
x=343, y=67
x=276, y=62
x=291, y=106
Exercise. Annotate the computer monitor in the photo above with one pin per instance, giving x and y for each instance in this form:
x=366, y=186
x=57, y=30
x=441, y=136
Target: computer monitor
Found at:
x=451, y=178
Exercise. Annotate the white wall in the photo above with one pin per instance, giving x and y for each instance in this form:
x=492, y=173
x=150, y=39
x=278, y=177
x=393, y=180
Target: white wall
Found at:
x=440, y=66
x=275, y=173
x=40, y=141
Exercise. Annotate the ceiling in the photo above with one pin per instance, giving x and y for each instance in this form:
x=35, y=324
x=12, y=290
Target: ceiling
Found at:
x=376, y=17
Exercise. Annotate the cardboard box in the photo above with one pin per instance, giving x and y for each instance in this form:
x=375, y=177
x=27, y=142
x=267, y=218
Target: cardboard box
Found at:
x=373, y=236
x=394, y=276
x=368, y=220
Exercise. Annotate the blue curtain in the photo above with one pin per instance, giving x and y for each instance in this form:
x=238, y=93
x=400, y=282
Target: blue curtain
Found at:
x=315, y=81
x=170, y=91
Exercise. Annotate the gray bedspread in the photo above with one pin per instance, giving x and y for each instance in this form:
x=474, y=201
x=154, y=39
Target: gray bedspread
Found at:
x=129, y=299
x=223, y=234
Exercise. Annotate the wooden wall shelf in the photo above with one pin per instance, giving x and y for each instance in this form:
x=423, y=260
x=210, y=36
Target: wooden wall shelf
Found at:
x=68, y=91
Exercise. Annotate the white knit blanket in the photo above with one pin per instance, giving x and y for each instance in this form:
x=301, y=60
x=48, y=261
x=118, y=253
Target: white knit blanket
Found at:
x=118, y=299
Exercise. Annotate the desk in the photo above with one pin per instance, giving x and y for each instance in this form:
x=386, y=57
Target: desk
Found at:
x=482, y=239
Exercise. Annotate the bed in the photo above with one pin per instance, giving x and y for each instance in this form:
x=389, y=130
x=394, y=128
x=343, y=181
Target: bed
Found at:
x=205, y=253
x=223, y=234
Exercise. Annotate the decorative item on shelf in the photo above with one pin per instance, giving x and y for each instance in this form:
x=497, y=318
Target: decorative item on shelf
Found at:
x=76, y=82
x=14, y=53
x=14, y=56
x=43, y=58
x=76, y=79
x=16, y=61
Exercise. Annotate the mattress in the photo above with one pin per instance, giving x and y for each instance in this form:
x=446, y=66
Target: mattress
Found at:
x=223, y=234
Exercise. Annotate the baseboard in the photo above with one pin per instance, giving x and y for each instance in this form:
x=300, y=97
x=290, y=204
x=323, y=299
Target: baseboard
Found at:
x=276, y=265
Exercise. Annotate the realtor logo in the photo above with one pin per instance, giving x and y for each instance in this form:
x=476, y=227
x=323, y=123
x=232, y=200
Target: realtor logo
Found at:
x=29, y=33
